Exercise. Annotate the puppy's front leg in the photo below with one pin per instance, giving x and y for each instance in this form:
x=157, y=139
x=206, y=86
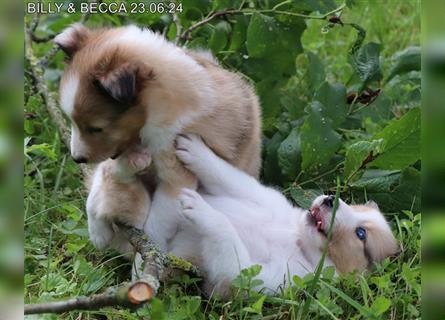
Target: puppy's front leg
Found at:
x=164, y=217
x=117, y=195
x=217, y=176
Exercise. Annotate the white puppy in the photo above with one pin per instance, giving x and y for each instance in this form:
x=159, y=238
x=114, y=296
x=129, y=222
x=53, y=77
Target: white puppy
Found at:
x=235, y=222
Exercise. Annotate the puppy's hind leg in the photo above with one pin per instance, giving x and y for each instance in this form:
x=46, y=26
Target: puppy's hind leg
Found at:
x=216, y=176
x=223, y=252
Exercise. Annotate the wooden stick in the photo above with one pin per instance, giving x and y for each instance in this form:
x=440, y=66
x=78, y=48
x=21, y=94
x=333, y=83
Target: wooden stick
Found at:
x=126, y=295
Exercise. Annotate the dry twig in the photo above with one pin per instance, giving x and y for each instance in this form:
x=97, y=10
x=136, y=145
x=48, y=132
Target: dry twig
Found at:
x=127, y=295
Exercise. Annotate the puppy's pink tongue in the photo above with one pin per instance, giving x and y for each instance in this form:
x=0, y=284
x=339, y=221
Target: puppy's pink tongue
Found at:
x=319, y=225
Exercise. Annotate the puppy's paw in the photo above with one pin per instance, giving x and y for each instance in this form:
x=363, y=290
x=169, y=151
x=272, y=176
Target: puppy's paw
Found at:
x=129, y=164
x=101, y=233
x=138, y=160
x=193, y=205
x=190, y=149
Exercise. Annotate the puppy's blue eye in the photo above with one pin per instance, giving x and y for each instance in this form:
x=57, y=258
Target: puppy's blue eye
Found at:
x=361, y=233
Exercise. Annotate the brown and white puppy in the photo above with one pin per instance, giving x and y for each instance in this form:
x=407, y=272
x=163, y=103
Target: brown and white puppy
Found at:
x=126, y=86
x=235, y=222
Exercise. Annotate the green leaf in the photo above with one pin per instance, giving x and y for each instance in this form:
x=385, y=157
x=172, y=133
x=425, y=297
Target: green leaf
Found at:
x=289, y=155
x=262, y=35
x=315, y=73
x=43, y=149
x=224, y=4
x=269, y=92
x=276, y=42
x=405, y=61
x=358, y=152
x=299, y=283
x=257, y=307
x=239, y=32
x=252, y=271
x=379, y=110
x=157, y=309
x=218, y=39
x=328, y=273
x=333, y=97
x=380, y=305
x=377, y=180
x=193, y=305
x=401, y=142
x=319, y=141
x=366, y=63
x=392, y=190
x=304, y=197
x=363, y=311
x=321, y=6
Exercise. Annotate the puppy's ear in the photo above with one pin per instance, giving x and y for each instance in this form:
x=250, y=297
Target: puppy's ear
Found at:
x=72, y=39
x=372, y=204
x=120, y=83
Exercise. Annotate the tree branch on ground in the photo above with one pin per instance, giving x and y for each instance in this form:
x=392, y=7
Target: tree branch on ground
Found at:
x=128, y=295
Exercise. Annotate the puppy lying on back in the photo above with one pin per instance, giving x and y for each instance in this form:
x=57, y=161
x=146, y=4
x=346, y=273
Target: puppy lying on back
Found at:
x=126, y=86
x=235, y=222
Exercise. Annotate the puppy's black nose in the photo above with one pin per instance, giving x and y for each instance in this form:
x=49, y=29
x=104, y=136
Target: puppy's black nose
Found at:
x=329, y=201
x=80, y=160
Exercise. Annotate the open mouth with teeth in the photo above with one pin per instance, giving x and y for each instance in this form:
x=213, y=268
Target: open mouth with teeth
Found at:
x=316, y=218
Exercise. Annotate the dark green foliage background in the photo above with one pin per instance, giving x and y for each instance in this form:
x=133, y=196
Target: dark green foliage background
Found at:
x=306, y=72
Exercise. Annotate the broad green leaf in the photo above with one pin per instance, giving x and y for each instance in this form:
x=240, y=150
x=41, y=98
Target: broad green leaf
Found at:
x=239, y=32
x=379, y=110
x=358, y=152
x=218, y=39
x=404, y=61
x=269, y=92
x=289, y=155
x=401, y=145
x=377, y=180
x=333, y=98
x=393, y=191
x=224, y=4
x=291, y=101
x=367, y=63
x=262, y=35
x=202, y=5
x=380, y=305
x=319, y=141
x=315, y=73
x=276, y=42
x=321, y=6
x=304, y=197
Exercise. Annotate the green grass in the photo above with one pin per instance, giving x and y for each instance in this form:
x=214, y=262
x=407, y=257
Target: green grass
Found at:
x=60, y=262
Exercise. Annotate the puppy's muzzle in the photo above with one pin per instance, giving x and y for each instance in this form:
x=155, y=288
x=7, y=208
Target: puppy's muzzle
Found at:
x=80, y=160
x=329, y=201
